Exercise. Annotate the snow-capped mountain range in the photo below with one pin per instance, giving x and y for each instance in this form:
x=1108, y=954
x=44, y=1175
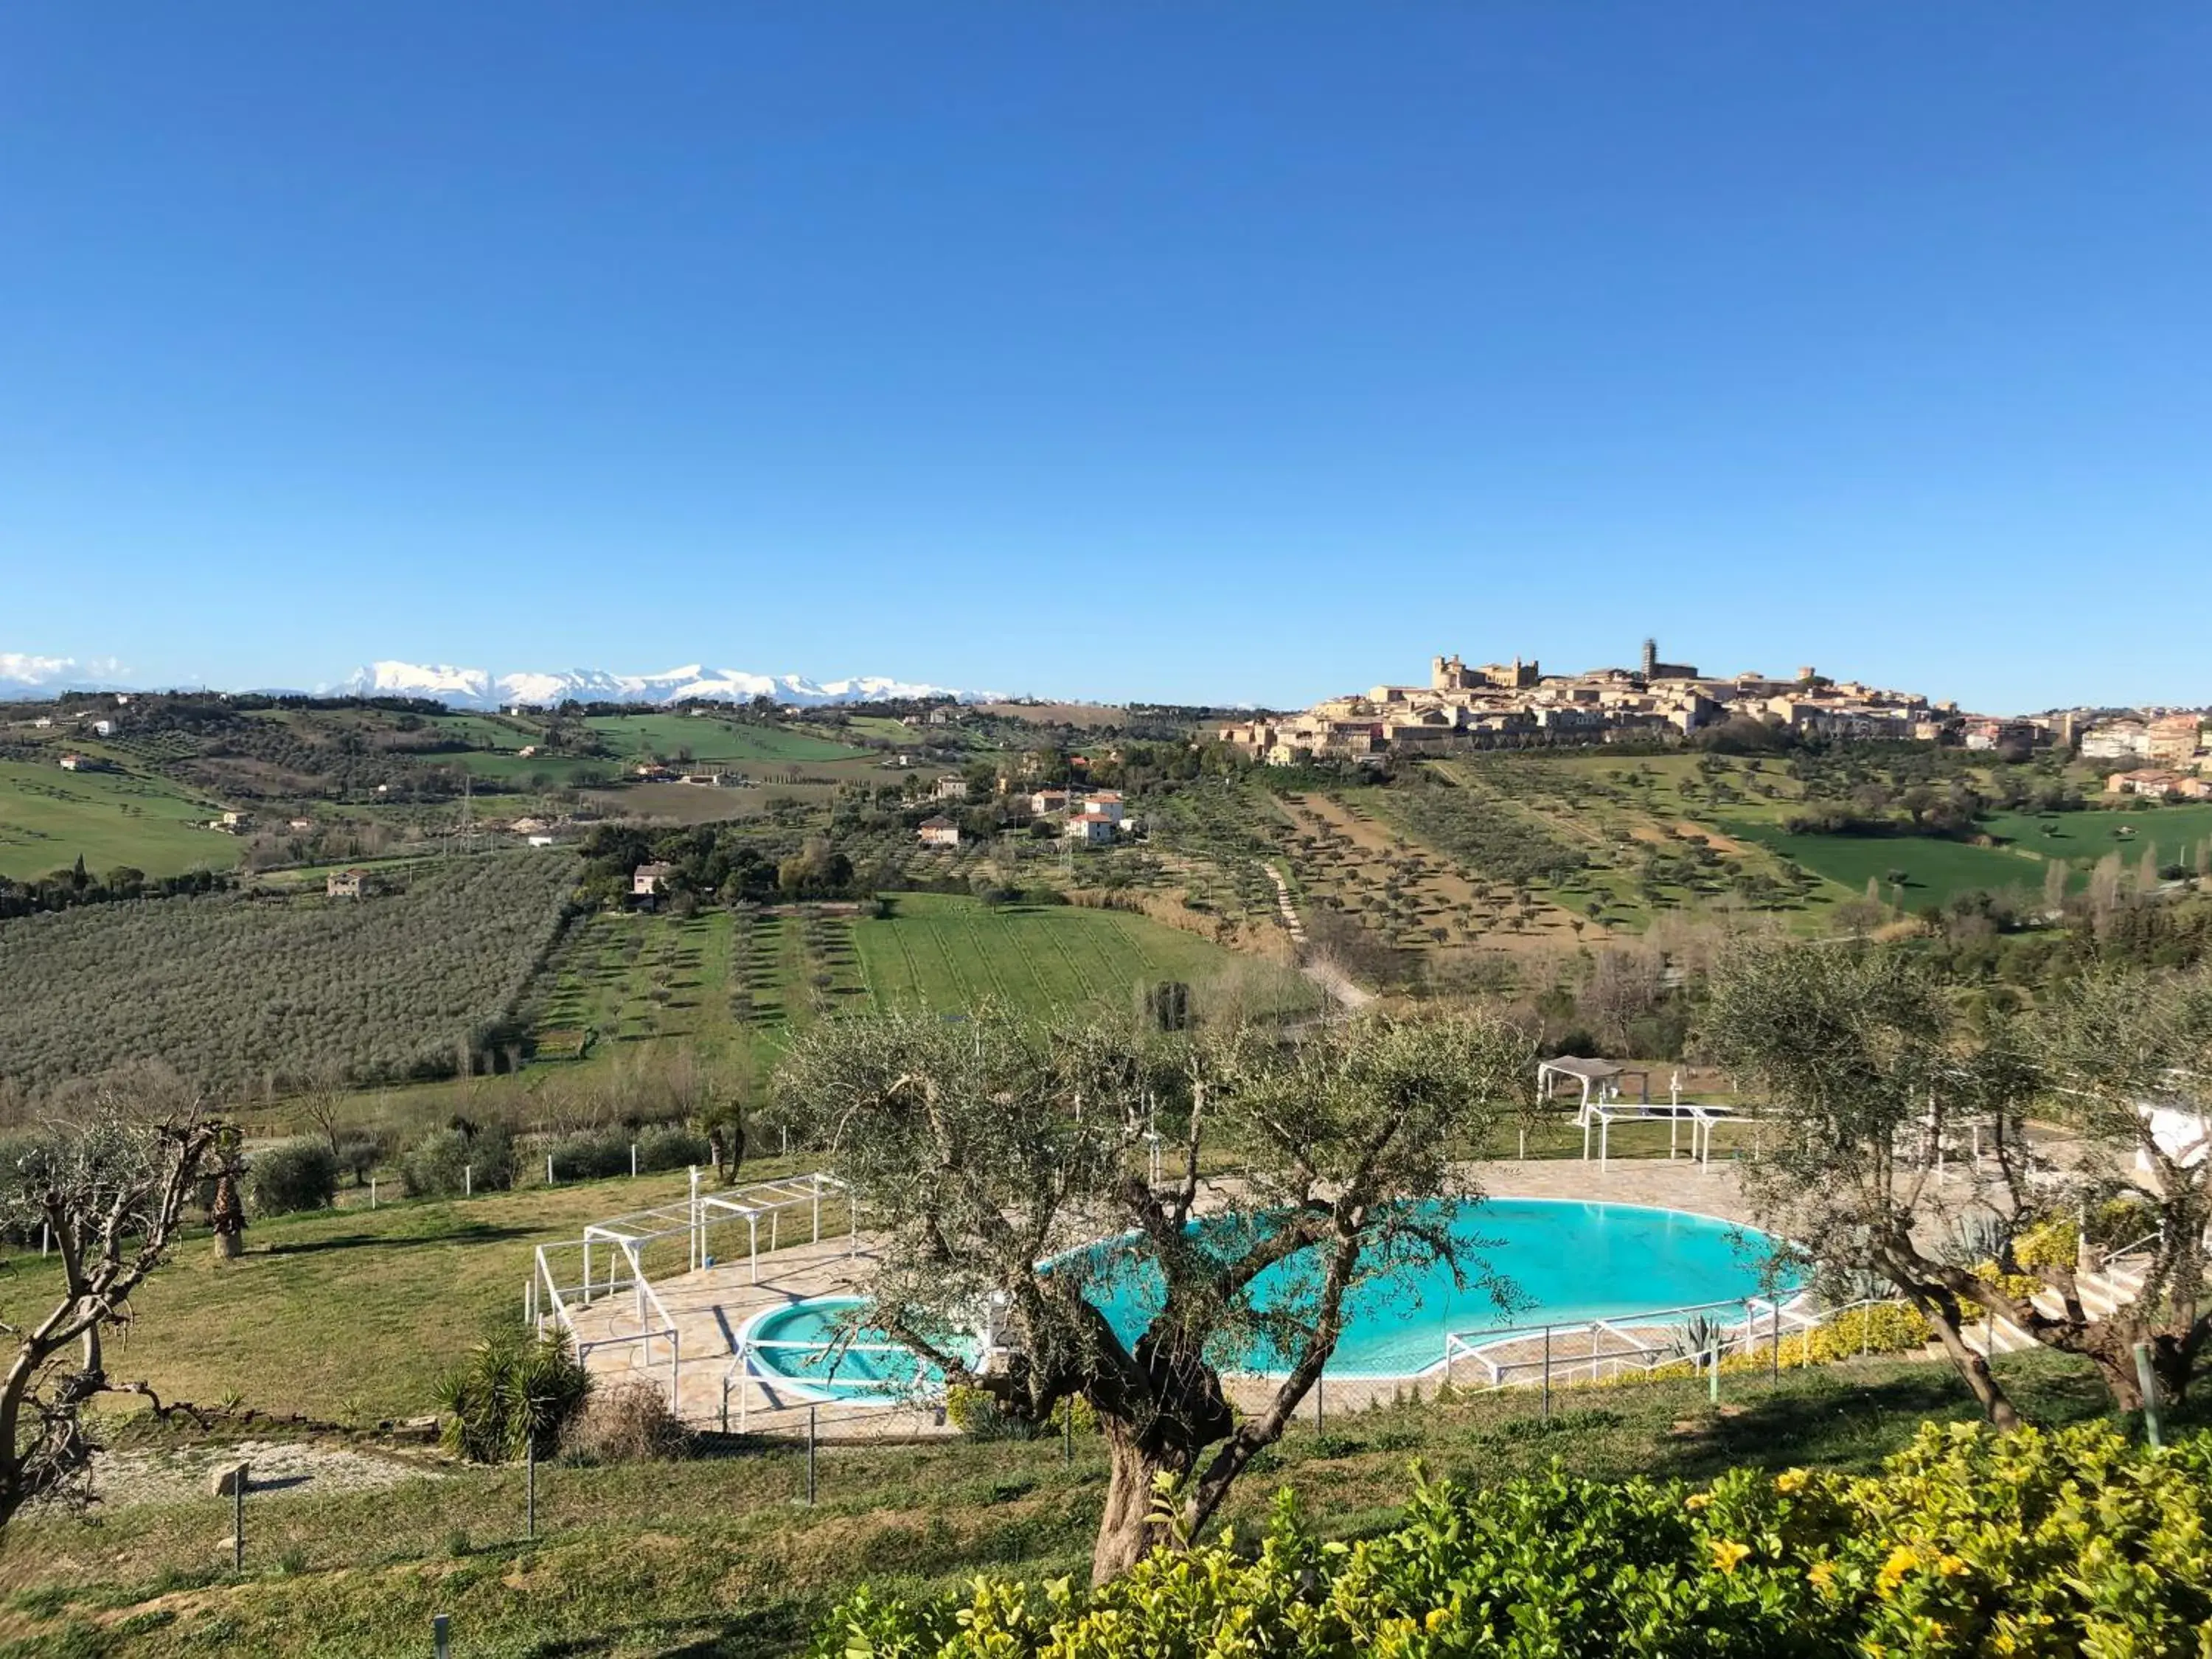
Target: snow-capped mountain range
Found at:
x=479, y=688
x=26, y=676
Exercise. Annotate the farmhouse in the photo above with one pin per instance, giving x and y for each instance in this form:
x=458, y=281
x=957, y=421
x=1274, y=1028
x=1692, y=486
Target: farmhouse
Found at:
x=1105, y=801
x=300, y=823
x=79, y=764
x=939, y=832
x=1045, y=802
x=2143, y=781
x=648, y=880
x=103, y=728
x=1091, y=827
x=528, y=750
x=346, y=883
x=950, y=788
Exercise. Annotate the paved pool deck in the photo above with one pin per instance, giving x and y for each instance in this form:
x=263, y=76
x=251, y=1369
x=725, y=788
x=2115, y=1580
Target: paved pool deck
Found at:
x=712, y=1307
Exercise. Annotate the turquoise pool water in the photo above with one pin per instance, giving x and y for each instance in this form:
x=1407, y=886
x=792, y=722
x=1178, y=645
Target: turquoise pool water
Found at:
x=1567, y=1263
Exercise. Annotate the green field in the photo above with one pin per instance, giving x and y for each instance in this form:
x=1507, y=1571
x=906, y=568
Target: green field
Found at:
x=742, y=985
x=711, y=739
x=48, y=817
x=483, y=730
x=2175, y=832
x=953, y=953
x=551, y=771
x=1934, y=869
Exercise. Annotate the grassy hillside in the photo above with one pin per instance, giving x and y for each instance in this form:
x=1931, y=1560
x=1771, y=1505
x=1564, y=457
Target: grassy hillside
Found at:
x=49, y=817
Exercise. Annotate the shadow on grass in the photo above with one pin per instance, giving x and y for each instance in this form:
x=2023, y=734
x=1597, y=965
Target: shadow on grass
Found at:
x=783, y=1628
x=472, y=1232
x=1857, y=1424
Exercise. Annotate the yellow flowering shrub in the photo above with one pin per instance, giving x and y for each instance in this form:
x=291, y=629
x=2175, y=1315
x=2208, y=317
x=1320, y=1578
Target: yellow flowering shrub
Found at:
x=1968, y=1543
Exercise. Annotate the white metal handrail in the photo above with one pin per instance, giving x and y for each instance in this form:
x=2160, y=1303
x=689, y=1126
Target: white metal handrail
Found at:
x=1764, y=1321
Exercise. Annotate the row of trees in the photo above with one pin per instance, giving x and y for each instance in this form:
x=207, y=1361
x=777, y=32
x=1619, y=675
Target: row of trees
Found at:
x=237, y=992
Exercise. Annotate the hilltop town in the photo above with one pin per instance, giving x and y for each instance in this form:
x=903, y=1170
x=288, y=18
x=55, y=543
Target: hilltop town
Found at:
x=1515, y=704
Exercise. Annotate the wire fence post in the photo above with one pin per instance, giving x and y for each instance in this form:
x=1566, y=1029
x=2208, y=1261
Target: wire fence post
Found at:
x=237, y=1519
x=371, y=1192
x=1547, y=1371
x=1777, y=1341
x=811, y=1411
x=441, y=1635
x=633, y=1160
x=2148, y=1381
x=529, y=1489
x=468, y=1181
x=1713, y=1375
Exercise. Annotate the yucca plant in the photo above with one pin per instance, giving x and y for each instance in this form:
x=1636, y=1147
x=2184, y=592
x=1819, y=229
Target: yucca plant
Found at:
x=516, y=1388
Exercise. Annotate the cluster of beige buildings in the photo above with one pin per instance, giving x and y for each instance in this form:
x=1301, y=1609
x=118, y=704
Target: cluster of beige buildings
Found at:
x=1508, y=703
x=2172, y=740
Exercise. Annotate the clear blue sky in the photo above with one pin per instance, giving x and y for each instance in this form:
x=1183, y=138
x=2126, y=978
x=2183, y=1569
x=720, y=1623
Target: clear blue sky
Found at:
x=1237, y=352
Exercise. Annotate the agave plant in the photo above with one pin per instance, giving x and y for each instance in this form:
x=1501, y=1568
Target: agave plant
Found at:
x=1696, y=1337
x=516, y=1389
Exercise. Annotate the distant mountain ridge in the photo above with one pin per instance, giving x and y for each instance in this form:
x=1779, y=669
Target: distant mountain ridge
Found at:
x=479, y=688
x=26, y=676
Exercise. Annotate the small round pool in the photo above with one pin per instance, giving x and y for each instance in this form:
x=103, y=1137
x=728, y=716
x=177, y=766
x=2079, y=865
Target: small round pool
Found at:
x=1567, y=1261
x=799, y=1343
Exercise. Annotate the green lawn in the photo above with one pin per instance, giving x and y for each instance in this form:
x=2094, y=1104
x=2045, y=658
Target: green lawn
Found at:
x=49, y=817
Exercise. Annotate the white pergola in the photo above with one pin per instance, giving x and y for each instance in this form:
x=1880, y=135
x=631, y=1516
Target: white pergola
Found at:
x=1701, y=1120
x=1596, y=1081
x=768, y=1200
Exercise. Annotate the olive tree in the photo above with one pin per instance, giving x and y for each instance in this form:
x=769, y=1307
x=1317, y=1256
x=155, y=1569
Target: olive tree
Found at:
x=1865, y=1076
x=108, y=1181
x=2126, y=1063
x=985, y=1152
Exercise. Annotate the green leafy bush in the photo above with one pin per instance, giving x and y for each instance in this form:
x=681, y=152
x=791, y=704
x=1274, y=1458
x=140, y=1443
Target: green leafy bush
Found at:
x=292, y=1175
x=447, y=1162
x=671, y=1148
x=515, y=1388
x=590, y=1156
x=1968, y=1543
